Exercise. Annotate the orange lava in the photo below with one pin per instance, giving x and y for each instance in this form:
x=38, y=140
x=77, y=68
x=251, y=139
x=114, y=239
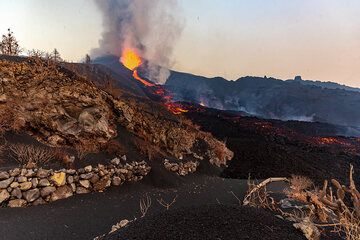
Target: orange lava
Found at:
x=143, y=81
x=132, y=60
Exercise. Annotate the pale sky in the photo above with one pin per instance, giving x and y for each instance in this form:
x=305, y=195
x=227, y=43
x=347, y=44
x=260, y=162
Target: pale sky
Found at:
x=318, y=39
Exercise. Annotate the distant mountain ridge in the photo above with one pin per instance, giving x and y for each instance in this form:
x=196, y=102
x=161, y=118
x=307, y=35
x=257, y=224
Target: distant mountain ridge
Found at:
x=272, y=98
x=301, y=100
x=329, y=85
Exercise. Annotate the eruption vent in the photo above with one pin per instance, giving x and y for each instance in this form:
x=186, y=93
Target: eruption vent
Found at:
x=148, y=28
x=133, y=61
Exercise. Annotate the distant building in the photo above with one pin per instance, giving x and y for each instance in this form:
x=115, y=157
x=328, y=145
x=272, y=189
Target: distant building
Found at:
x=298, y=78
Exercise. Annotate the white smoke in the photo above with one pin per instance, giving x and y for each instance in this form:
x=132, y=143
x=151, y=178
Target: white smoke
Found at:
x=149, y=26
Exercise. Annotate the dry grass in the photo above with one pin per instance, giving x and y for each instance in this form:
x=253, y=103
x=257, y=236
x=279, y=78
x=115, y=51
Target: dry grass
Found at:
x=336, y=207
x=145, y=204
x=30, y=155
x=166, y=204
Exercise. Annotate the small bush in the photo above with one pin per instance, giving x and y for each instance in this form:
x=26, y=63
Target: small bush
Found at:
x=30, y=155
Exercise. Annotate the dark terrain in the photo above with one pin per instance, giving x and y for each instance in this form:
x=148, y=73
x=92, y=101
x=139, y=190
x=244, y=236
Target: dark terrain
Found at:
x=210, y=222
x=127, y=115
x=271, y=148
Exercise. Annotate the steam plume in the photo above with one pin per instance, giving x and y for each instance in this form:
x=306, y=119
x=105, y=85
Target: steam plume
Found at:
x=149, y=26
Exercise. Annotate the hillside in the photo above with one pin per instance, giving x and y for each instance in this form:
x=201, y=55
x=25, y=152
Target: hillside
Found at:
x=269, y=98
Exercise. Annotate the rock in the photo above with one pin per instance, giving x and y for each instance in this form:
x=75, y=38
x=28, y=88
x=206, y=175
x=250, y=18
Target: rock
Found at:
x=88, y=168
x=73, y=187
x=85, y=183
x=44, y=182
x=16, y=193
x=6, y=183
x=39, y=201
x=46, y=191
x=70, y=179
x=86, y=176
x=116, y=181
x=22, y=179
x=123, y=171
x=81, y=170
x=59, y=179
x=30, y=165
x=102, y=184
x=4, y=175
x=42, y=173
x=34, y=182
x=81, y=190
x=3, y=98
x=123, y=158
x=30, y=173
x=17, y=203
x=31, y=195
x=308, y=228
x=71, y=171
x=119, y=225
x=23, y=172
x=15, y=172
x=25, y=186
x=14, y=185
x=115, y=161
x=95, y=178
x=4, y=195
x=61, y=193
x=55, y=140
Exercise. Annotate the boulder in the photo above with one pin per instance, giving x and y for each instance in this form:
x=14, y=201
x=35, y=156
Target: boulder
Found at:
x=31, y=195
x=70, y=179
x=30, y=173
x=46, y=191
x=16, y=193
x=4, y=175
x=34, y=182
x=86, y=176
x=14, y=185
x=39, y=201
x=59, y=179
x=4, y=195
x=25, y=186
x=6, y=183
x=22, y=179
x=88, y=168
x=85, y=183
x=116, y=181
x=61, y=193
x=82, y=190
x=42, y=173
x=95, y=178
x=115, y=161
x=102, y=184
x=43, y=183
x=17, y=203
x=15, y=172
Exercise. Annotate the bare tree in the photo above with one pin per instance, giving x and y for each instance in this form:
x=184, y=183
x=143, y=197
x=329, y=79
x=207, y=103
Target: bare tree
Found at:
x=36, y=53
x=9, y=45
x=87, y=59
x=56, y=56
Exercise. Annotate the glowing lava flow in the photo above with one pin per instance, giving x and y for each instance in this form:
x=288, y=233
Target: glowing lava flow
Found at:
x=131, y=60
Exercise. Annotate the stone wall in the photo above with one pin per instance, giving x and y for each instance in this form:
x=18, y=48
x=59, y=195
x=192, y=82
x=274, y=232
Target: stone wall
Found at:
x=182, y=168
x=23, y=187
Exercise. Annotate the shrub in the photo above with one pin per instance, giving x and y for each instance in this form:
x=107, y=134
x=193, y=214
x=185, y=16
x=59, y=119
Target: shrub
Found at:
x=30, y=155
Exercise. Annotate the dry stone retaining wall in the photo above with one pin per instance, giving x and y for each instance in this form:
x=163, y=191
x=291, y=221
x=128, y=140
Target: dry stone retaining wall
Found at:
x=23, y=187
